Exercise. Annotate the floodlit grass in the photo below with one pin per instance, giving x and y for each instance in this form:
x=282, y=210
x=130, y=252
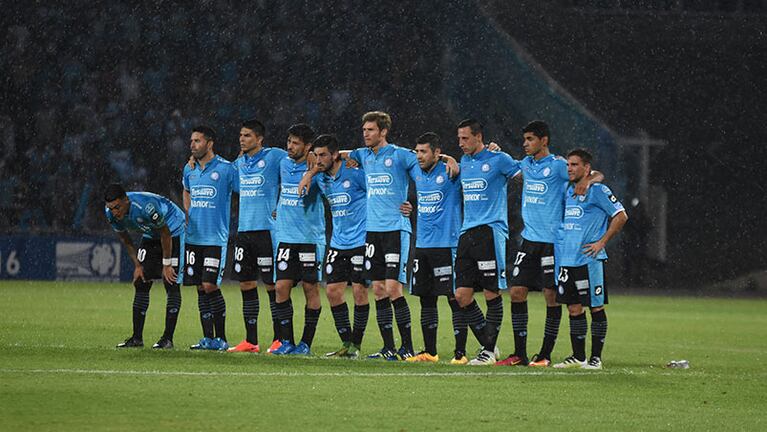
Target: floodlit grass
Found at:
x=59, y=371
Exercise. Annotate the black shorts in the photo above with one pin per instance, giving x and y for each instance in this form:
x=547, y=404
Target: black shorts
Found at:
x=203, y=264
x=149, y=254
x=433, y=272
x=386, y=255
x=533, y=266
x=480, y=261
x=253, y=257
x=583, y=284
x=345, y=265
x=299, y=262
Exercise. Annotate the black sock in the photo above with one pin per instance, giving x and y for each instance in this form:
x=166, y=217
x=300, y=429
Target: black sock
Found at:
x=578, y=330
x=275, y=320
x=598, y=332
x=550, y=332
x=429, y=323
x=218, y=307
x=341, y=319
x=284, y=313
x=361, y=313
x=206, y=316
x=172, y=307
x=519, y=325
x=494, y=320
x=476, y=321
x=460, y=329
x=140, y=306
x=402, y=313
x=385, y=318
x=250, y=309
x=311, y=317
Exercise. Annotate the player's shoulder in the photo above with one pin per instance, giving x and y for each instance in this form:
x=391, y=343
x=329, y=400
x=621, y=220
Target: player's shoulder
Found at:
x=274, y=152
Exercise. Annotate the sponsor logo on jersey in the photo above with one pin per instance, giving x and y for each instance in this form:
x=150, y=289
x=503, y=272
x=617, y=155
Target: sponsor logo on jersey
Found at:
x=379, y=179
x=574, y=212
x=252, y=180
x=339, y=199
x=536, y=187
x=204, y=192
x=474, y=185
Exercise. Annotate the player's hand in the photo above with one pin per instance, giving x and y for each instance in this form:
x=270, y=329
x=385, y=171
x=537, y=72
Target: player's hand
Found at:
x=351, y=163
x=311, y=161
x=582, y=186
x=305, y=184
x=593, y=249
x=274, y=214
x=406, y=209
x=191, y=162
x=494, y=147
x=169, y=274
x=452, y=166
x=138, y=273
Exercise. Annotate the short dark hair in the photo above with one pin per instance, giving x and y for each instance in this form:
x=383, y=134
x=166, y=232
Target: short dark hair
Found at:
x=256, y=126
x=474, y=125
x=430, y=138
x=537, y=127
x=326, y=140
x=114, y=191
x=381, y=119
x=583, y=154
x=302, y=131
x=209, y=132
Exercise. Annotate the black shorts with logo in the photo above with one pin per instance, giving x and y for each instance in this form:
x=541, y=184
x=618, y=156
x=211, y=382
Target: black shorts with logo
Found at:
x=345, y=265
x=533, y=266
x=203, y=264
x=433, y=272
x=149, y=254
x=386, y=255
x=582, y=284
x=253, y=257
x=299, y=262
x=480, y=261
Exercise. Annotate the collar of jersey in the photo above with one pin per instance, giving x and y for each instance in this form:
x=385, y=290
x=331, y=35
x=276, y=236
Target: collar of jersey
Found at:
x=434, y=170
x=541, y=160
x=484, y=154
x=387, y=149
x=256, y=157
x=212, y=162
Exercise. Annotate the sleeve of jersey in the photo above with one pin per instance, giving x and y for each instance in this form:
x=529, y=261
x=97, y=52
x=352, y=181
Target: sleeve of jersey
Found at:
x=359, y=177
x=184, y=178
x=560, y=166
x=153, y=214
x=356, y=155
x=116, y=227
x=409, y=160
x=509, y=166
x=236, y=180
x=607, y=201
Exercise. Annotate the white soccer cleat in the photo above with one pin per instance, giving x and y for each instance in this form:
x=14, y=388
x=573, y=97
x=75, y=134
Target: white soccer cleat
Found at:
x=570, y=362
x=595, y=363
x=484, y=358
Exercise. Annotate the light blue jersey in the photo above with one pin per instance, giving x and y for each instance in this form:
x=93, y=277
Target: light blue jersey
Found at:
x=148, y=213
x=347, y=194
x=387, y=174
x=299, y=219
x=543, y=202
x=259, y=188
x=211, y=196
x=586, y=220
x=484, y=178
x=439, y=207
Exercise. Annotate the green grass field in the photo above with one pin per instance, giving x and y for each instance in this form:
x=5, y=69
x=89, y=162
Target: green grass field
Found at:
x=59, y=371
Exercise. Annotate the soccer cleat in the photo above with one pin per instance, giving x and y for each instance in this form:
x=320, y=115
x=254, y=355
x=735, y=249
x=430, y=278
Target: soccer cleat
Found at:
x=348, y=350
x=594, y=363
x=285, y=348
x=423, y=357
x=301, y=349
x=131, y=342
x=274, y=347
x=402, y=354
x=484, y=358
x=203, y=344
x=218, y=344
x=163, y=343
x=570, y=362
x=538, y=361
x=459, y=359
x=512, y=360
x=245, y=346
x=384, y=354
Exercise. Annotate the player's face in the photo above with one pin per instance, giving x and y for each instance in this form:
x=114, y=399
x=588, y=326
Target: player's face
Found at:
x=576, y=168
x=119, y=207
x=372, y=134
x=199, y=145
x=469, y=143
x=325, y=158
x=426, y=156
x=249, y=140
x=297, y=149
x=532, y=144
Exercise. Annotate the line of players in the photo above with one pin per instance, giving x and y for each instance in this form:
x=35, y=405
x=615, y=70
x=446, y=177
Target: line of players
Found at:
x=567, y=213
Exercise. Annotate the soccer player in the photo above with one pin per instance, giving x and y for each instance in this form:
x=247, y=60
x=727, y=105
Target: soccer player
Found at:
x=259, y=181
x=591, y=220
x=544, y=181
x=481, y=256
x=345, y=189
x=208, y=187
x=437, y=230
x=162, y=224
x=387, y=242
x=301, y=237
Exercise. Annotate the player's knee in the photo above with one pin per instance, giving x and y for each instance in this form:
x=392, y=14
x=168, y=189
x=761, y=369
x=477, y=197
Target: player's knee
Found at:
x=490, y=295
x=247, y=286
x=518, y=294
x=575, y=309
x=209, y=287
x=142, y=285
x=464, y=297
